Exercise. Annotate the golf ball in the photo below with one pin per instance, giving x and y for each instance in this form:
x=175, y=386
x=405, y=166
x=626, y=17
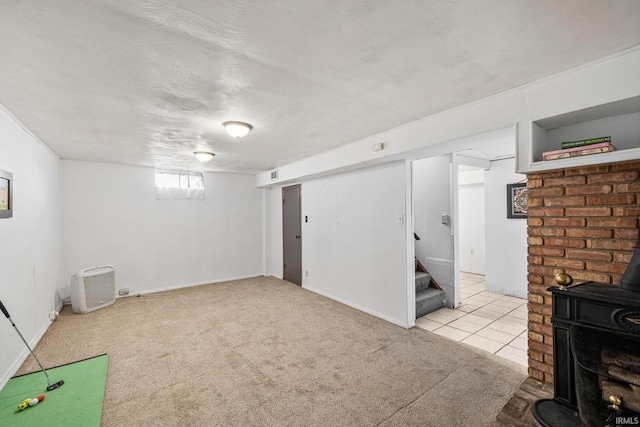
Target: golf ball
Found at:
x=34, y=401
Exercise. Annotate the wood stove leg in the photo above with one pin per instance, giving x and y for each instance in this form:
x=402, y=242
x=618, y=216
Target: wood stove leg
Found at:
x=563, y=372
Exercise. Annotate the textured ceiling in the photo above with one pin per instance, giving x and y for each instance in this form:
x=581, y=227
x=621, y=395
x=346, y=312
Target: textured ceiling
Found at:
x=147, y=82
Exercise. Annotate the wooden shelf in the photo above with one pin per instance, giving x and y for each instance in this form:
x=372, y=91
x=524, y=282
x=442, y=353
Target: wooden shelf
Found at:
x=618, y=119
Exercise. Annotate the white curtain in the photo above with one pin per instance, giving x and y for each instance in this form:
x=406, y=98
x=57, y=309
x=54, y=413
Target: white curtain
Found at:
x=171, y=184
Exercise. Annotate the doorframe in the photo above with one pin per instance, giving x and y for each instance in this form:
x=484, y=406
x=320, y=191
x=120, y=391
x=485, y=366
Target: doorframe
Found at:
x=455, y=160
x=459, y=160
x=455, y=227
x=410, y=246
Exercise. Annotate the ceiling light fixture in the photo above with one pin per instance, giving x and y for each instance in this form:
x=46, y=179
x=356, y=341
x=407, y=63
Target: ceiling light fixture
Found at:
x=237, y=129
x=204, y=156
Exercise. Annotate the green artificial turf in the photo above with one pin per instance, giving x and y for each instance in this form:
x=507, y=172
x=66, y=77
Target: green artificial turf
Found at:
x=77, y=403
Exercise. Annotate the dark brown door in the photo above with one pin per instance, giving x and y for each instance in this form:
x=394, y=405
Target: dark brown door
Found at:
x=292, y=234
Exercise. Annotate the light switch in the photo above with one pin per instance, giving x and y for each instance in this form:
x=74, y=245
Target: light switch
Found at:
x=445, y=219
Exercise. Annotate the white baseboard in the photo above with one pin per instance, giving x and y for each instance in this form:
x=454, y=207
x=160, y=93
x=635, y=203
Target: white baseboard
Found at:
x=361, y=308
x=506, y=291
x=6, y=376
x=188, y=285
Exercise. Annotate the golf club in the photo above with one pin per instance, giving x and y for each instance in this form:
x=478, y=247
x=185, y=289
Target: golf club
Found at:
x=49, y=385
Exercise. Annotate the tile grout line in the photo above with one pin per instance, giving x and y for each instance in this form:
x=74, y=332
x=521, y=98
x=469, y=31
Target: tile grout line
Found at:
x=483, y=305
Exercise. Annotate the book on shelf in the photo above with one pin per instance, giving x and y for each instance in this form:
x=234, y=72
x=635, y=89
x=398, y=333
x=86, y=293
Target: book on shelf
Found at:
x=584, y=150
x=582, y=142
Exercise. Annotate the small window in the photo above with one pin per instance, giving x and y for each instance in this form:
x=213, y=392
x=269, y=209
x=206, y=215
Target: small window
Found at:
x=172, y=184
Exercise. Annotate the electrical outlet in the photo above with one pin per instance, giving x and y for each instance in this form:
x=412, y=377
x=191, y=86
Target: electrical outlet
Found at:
x=123, y=291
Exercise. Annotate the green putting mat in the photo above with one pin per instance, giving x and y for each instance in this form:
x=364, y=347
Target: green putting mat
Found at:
x=77, y=403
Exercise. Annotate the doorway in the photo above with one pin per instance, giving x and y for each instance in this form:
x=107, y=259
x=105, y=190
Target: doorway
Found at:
x=292, y=234
x=437, y=205
x=471, y=230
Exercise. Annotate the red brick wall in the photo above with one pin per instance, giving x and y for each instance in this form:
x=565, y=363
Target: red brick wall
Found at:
x=583, y=222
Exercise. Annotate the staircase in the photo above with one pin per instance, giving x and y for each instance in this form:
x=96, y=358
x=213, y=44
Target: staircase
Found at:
x=428, y=299
x=429, y=295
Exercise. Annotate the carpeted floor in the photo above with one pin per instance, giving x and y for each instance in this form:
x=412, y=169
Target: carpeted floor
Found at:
x=264, y=352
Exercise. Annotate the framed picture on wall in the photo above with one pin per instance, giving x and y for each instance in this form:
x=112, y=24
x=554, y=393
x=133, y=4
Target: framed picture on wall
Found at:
x=6, y=194
x=517, y=200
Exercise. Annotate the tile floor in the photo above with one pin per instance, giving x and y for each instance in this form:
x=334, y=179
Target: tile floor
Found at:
x=488, y=321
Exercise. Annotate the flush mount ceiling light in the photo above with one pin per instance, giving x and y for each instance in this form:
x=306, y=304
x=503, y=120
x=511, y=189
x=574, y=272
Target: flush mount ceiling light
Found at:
x=204, y=156
x=237, y=129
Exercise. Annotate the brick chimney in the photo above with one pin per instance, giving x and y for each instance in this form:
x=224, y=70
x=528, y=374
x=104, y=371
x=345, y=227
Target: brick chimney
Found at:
x=583, y=222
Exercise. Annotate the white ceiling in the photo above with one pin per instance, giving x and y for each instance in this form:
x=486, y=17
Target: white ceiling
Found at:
x=148, y=82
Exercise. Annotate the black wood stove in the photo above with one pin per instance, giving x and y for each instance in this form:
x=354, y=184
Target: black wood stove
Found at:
x=596, y=353
x=592, y=323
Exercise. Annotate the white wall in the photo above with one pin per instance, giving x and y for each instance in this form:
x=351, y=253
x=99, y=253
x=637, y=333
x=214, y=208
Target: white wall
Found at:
x=30, y=243
x=472, y=221
x=506, y=238
x=432, y=199
x=111, y=217
x=354, y=244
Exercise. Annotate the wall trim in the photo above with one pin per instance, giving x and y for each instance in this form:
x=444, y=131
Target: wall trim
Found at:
x=188, y=285
x=25, y=353
x=361, y=308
